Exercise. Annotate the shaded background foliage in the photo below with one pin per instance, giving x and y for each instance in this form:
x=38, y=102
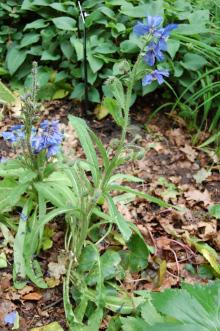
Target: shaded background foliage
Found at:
x=51, y=31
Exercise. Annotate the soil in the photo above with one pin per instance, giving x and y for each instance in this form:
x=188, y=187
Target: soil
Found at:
x=172, y=170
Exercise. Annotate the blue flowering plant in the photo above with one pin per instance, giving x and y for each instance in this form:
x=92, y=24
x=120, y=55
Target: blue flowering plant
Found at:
x=22, y=203
x=38, y=142
x=153, y=45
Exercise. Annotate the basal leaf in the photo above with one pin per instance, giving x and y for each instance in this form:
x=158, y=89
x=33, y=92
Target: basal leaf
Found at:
x=119, y=220
x=82, y=131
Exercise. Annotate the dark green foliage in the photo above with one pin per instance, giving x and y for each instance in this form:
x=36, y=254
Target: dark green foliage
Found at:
x=51, y=32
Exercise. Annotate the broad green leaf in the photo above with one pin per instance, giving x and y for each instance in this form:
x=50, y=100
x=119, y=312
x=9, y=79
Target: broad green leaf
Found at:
x=173, y=46
x=82, y=131
x=138, y=253
x=78, y=45
x=150, y=314
x=118, y=92
x=214, y=211
x=191, y=29
x=88, y=259
x=94, y=62
x=114, y=109
x=38, y=24
x=67, y=49
x=64, y=23
x=94, y=95
x=94, y=321
x=14, y=59
x=6, y=96
x=13, y=195
x=29, y=39
x=192, y=61
x=109, y=263
x=196, y=308
x=128, y=46
x=119, y=220
x=133, y=324
x=152, y=8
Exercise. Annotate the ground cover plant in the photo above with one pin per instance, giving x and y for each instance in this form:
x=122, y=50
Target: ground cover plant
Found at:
x=84, y=194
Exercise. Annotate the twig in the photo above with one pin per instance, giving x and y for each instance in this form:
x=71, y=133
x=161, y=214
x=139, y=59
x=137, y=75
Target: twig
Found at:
x=52, y=304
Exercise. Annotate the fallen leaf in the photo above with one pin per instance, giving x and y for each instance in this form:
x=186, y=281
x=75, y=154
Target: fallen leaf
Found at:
x=101, y=112
x=207, y=252
x=189, y=152
x=56, y=270
x=199, y=196
x=33, y=296
x=3, y=261
x=49, y=327
x=52, y=282
x=201, y=175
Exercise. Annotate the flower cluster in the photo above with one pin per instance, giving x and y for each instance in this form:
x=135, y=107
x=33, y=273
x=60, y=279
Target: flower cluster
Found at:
x=46, y=137
x=156, y=47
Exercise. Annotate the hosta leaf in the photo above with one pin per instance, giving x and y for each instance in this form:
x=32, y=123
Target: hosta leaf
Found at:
x=14, y=59
x=64, y=23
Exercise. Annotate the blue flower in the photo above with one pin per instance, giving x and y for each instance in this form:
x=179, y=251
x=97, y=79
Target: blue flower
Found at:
x=10, y=318
x=155, y=75
x=3, y=159
x=163, y=34
x=153, y=53
x=153, y=23
x=15, y=134
x=48, y=138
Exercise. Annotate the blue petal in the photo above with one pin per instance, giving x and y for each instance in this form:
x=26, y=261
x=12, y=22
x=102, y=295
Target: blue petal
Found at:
x=169, y=28
x=10, y=318
x=17, y=127
x=149, y=58
x=147, y=80
x=159, y=78
x=162, y=44
x=163, y=72
x=154, y=21
x=9, y=136
x=140, y=29
x=52, y=150
x=159, y=55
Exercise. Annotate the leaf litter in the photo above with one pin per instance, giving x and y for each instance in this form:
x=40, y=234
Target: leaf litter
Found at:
x=172, y=169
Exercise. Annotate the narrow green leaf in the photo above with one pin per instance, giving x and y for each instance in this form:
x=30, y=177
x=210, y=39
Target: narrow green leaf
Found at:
x=82, y=131
x=119, y=219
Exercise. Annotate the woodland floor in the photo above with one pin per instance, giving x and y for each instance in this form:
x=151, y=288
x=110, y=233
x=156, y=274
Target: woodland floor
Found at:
x=172, y=169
